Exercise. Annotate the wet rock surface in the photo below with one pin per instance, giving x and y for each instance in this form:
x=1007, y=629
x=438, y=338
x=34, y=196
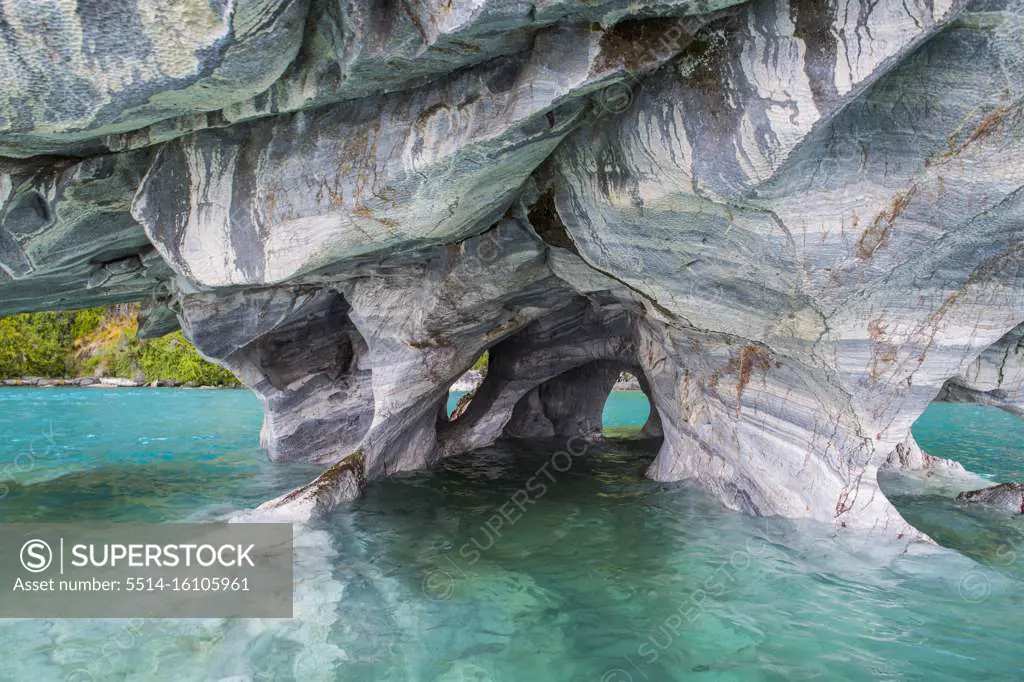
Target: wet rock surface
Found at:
x=796, y=224
x=1008, y=497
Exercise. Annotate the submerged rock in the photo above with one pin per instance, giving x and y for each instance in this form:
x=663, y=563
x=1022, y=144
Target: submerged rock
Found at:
x=796, y=225
x=1007, y=497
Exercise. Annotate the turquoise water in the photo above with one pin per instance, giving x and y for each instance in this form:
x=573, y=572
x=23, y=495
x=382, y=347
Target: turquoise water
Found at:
x=605, y=577
x=626, y=409
x=140, y=454
x=986, y=440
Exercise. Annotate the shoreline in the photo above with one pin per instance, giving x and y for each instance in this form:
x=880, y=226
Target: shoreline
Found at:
x=101, y=382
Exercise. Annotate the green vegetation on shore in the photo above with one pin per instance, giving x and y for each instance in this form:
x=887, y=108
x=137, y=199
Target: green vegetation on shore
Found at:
x=481, y=363
x=100, y=342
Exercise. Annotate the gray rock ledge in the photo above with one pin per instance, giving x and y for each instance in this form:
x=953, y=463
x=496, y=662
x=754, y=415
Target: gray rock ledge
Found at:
x=1008, y=497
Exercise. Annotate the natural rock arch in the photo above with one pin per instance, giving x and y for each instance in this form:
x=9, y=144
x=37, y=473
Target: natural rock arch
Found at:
x=568, y=405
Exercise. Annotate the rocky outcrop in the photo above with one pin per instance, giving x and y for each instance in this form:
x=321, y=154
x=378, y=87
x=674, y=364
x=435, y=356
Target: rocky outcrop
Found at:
x=568, y=405
x=1008, y=497
x=996, y=377
x=77, y=74
x=469, y=381
x=796, y=223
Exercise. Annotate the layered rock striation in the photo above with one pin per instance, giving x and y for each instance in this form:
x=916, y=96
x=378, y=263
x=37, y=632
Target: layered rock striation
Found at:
x=1005, y=497
x=996, y=377
x=797, y=223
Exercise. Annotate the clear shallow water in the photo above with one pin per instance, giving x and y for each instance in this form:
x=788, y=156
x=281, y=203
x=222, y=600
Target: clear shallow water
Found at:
x=986, y=440
x=602, y=576
x=133, y=454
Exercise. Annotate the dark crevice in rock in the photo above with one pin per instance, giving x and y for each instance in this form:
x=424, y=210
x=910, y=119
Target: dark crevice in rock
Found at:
x=813, y=20
x=30, y=213
x=543, y=217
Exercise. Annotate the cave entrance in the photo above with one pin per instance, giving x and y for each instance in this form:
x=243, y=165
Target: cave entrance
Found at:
x=627, y=409
x=461, y=393
x=590, y=401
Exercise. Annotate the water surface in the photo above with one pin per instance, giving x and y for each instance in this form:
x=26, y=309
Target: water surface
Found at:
x=586, y=570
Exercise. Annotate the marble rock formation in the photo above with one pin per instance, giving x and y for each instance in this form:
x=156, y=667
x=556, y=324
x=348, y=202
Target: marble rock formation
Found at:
x=1005, y=497
x=796, y=222
x=996, y=377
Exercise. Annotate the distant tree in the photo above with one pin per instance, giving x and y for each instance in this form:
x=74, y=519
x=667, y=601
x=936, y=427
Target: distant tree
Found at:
x=35, y=344
x=100, y=342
